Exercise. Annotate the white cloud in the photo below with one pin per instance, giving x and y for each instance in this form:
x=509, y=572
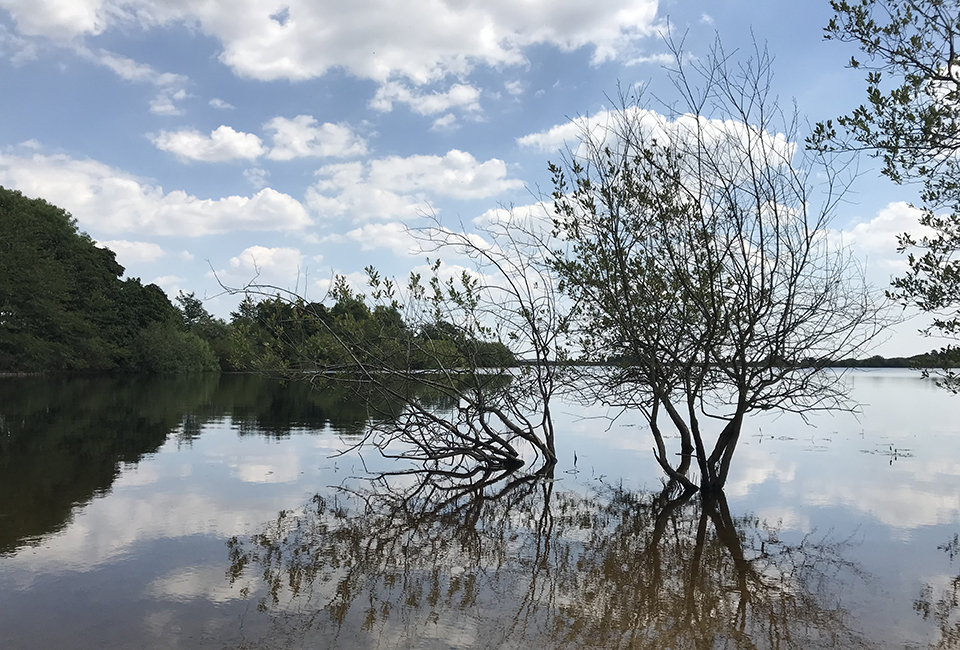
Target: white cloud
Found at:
x=456, y=174
x=879, y=235
x=460, y=96
x=540, y=213
x=345, y=188
x=16, y=47
x=684, y=128
x=393, y=236
x=515, y=87
x=356, y=280
x=204, y=583
x=222, y=105
x=131, y=70
x=301, y=137
x=221, y=145
x=257, y=177
x=447, y=122
x=396, y=187
x=59, y=19
x=163, y=103
x=657, y=59
x=130, y=252
x=277, y=266
x=107, y=200
x=419, y=40
x=171, y=86
x=169, y=283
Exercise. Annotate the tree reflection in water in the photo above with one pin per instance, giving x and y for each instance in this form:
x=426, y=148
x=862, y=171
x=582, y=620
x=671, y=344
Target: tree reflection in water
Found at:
x=518, y=562
x=944, y=609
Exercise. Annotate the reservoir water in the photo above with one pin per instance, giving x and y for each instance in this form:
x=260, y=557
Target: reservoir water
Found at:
x=231, y=511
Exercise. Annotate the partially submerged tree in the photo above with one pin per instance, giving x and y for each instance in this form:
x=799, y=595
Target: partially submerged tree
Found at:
x=473, y=355
x=698, y=250
x=912, y=125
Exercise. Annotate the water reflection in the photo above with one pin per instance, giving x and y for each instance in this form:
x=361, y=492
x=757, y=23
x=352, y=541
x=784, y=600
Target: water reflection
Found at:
x=522, y=563
x=942, y=606
x=126, y=533
x=64, y=441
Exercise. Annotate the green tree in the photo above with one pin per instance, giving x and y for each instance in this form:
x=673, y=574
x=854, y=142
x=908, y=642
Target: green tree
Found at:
x=58, y=297
x=164, y=348
x=695, y=251
x=64, y=307
x=215, y=331
x=911, y=123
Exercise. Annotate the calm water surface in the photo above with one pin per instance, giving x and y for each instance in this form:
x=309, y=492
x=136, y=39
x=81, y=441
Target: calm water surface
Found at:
x=214, y=512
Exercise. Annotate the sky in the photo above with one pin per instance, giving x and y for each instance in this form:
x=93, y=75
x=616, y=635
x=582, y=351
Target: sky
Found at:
x=212, y=142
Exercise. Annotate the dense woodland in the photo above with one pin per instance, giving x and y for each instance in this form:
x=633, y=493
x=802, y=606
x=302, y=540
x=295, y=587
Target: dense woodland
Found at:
x=65, y=307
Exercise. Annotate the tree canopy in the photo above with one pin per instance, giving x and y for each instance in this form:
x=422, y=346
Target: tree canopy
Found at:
x=695, y=249
x=910, y=121
x=64, y=306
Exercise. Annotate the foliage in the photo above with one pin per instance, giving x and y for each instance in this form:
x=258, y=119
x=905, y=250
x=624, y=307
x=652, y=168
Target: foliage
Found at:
x=63, y=306
x=165, y=348
x=695, y=250
x=214, y=331
x=59, y=291
x=445, y=347
x=911, y=123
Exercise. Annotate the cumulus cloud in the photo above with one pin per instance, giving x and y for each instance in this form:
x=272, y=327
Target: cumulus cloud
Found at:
x=221, y=145
x=462, y=96
x=540, y=213
x=735, y=140
x=172, y=284
x=457, y=174
x=303, y=136
x=393, y=236
x=130, y=252
x=59, y=19
x=276, y=266
x=419, y=40
x=396, y=187
x=106, y=200
x=879, y=235
x=222, y=105
x=345, y=188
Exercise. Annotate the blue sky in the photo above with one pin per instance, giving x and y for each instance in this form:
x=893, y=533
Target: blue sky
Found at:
x=297, y=137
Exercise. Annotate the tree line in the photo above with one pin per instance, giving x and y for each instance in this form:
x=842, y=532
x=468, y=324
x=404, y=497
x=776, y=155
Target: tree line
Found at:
x=64, y=306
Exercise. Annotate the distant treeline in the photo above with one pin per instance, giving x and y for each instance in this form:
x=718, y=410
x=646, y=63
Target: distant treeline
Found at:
x=945, y=358
x=64, y=307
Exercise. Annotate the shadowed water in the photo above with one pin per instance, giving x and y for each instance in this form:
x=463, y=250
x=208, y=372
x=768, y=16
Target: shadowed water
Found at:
x=215, y=512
